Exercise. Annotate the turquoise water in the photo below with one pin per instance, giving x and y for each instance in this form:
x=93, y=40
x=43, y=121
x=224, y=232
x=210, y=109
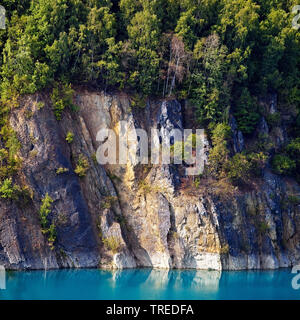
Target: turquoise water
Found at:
x=148, y=284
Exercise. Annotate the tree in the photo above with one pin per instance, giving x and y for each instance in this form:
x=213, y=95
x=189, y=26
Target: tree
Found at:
x=186, y=27
x=176, y=65
x=143, y=33
x=219, y=154
x=246, y=112
x=239, y=22
x=209, y=83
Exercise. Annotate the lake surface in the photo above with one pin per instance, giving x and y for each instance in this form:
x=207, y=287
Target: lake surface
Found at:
x=148, y=284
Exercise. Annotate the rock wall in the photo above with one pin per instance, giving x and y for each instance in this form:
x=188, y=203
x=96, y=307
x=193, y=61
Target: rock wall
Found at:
x=127, y=216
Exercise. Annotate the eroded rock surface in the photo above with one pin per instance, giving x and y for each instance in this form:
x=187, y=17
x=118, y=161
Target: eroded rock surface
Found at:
x=127, y=216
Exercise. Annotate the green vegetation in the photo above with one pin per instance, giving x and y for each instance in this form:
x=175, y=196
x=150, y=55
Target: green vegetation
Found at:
x=263, y=227
x=222, y=55
x=51, y=235
x=208, y=51
x=40, y=105
x=94, y=158
x=183, y=149
x=225, y=249
x=246, y=112
x=45, y=209
x=294, y=199
x=62, y=170
x=112, y=243
x=288, y=161
x=108, y=202
x=197, y=182
x=49, y=230
x=274, y=119
x=293, y=151
x=282, y=164
x=10, y=162
x=238, y=168
x=145, y=187
x=70, y=137
x=82, y=166
x=219, y=154
x=61, y=98
x=138, y=101
x=8, y=190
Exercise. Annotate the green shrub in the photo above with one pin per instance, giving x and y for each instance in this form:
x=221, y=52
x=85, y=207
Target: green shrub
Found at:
x=82, y=166
x=293, y=149
x=273, y=119
x=51, y=235
x=24, y=194
x=225, y=249
x=138, y=101
x=181, y=150
x=145, y=187
x=197, y=183
x=282, y=164
x=257, y=162
x=7, y=189
x=3, y=156
x=220, y=134
x=57, y=103
x=263, y=143
x=112, y=243
x=44, y=211
x=12, y=145
x=219, y=154
x=94, y=158
x=40, y=105
x=238, y=168
x=62, y=97
x=62, y=170
x=246, y=112
x=70, y=137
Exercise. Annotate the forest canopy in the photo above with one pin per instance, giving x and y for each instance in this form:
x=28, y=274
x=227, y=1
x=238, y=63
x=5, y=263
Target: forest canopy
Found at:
x=222, y=55
x=217, y=52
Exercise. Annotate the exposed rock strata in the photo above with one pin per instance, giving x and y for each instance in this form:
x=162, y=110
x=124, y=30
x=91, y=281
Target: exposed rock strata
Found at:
x=152, y=220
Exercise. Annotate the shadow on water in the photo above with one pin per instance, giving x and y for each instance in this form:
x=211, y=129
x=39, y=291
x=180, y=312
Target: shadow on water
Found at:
x=149, y=284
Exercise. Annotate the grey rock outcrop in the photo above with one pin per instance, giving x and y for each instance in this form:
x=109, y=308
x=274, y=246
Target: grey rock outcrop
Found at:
x=237, y=136
x=127, y=216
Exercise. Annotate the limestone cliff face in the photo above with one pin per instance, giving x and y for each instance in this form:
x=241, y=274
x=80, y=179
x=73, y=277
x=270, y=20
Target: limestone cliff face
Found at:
x=127, y=216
